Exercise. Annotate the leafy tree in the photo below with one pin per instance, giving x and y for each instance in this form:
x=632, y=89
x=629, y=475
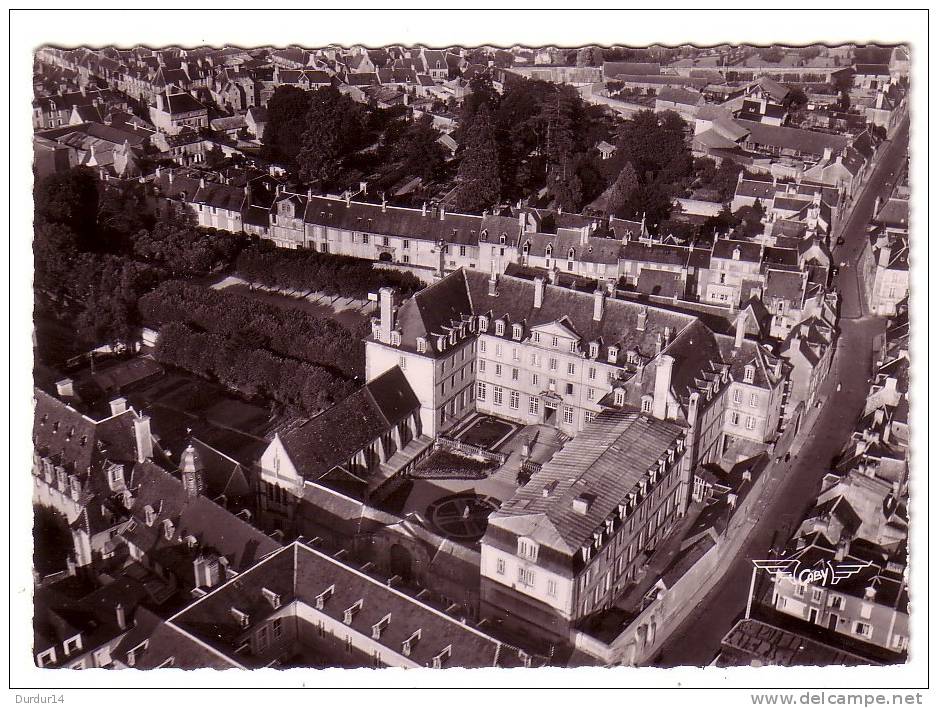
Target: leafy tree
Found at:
x=623, y=190
x=70, y=199
x=772, y=55
x=420, y=148
x=215, y=157
x=725, y=179
x=655, y=145
x=796, y=99
x=584, y=56
x=481, y=93
x=334, y=124
x=286, y=123
x=479, y=185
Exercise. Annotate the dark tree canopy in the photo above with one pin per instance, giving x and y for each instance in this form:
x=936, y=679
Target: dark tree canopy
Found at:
x=420, y=149
x=334, y=128
x=479, y=185
x=286, y=123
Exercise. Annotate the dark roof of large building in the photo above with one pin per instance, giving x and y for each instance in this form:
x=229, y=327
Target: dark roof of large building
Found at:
x=334, y=436
x=207, y=633
x=606, y=461
x=803, y=141
x=450, y=227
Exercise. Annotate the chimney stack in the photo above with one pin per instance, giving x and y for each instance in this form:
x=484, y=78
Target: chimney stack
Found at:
x=118, y=405
x=538, y=292
x=65, y=388
x=191, y=468
x=493, y=281
x=442, y=212
x=662, y=386
x=423, y=209
x=598, y=297
x=642, y=319
x=143, y=438
x=386, y=306
x=121, y=615
x=740, y=330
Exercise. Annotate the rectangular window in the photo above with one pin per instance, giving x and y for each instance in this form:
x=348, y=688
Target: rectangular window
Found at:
x=482, y=346
x=753, y=400
x=481, y=366
x=480, y=390
x=515, y=354
x=526, y=577
x=514, y=399
x=750, y=423
x=552, y=588
x=534, y=379
x=498, y=351
x=569, y=389
x=497, y=395
x=406, y=244
x=462, y=250
x=737, y=396
x=365, y=238
x=592, y=373
x=590, y=416
x=514, y=374
x=500, y=566
x=533, y=405
x=498, y=369
x=553, y=364
x=568, y=415
x=590, y=394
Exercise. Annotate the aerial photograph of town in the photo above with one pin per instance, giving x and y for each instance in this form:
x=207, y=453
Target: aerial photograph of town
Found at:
x=470, y=356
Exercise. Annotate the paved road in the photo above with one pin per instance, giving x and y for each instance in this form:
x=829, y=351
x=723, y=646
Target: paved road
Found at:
x=854, y=229
x=697, y=641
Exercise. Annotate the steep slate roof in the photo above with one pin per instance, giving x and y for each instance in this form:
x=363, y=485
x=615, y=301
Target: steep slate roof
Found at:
x=212, y=526
x=335, y=435
x=607, y=460
x=181, y=103
x=206, y=633
x=803, y=141
x=785, y=285
x=453, y=228
x=221, y=196
x=76, y=441
x=679, y=95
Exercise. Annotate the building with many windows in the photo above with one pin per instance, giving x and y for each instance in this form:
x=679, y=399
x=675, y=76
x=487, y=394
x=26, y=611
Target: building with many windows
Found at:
x=567, y=542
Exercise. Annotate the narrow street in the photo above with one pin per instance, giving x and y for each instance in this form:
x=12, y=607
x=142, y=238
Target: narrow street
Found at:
x=697, y=641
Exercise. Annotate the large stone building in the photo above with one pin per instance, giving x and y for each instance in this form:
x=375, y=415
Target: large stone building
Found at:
x=539, y=353
x=567, y=542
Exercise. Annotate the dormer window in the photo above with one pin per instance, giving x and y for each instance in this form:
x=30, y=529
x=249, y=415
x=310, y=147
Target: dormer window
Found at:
x=749, y=373
x=149, y=515
x=631, y=356
x=619, y=397
x=483, y=323
x=526, y=248
x=378, y=627
x=440, y=659
x=452, y=337
x=646, y=404
x=395, y=339
x=421, y=345
x=350, y=613
x=594, y=349
x=242, y=618
x=168, y=529
x=407, y=646
x=499, y=328
x=527, y=549
x=549, y=250
x=271, y=597
x=571, y=254
x=503, y=239
x=484, y=235
x=613, y=355
x=516, y=331
x=323, y=596
x=440, y=343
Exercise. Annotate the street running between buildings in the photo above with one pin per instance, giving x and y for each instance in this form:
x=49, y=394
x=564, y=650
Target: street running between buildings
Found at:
x=822, y=698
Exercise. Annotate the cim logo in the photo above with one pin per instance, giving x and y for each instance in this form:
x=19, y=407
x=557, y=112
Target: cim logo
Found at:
x=822, y=573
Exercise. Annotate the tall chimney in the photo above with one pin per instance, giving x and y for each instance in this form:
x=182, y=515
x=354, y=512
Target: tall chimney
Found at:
x=386, y=305
x=190, y=467
x=121, y=615
x=423, y=209
x=642, y=319
x=598, y=297
x=65, y=388
x=143, y=438
x=662, y=386
x=538, y=292
x=740, y=330
x=118, y=405
x=442, y=212
x=493, y=281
